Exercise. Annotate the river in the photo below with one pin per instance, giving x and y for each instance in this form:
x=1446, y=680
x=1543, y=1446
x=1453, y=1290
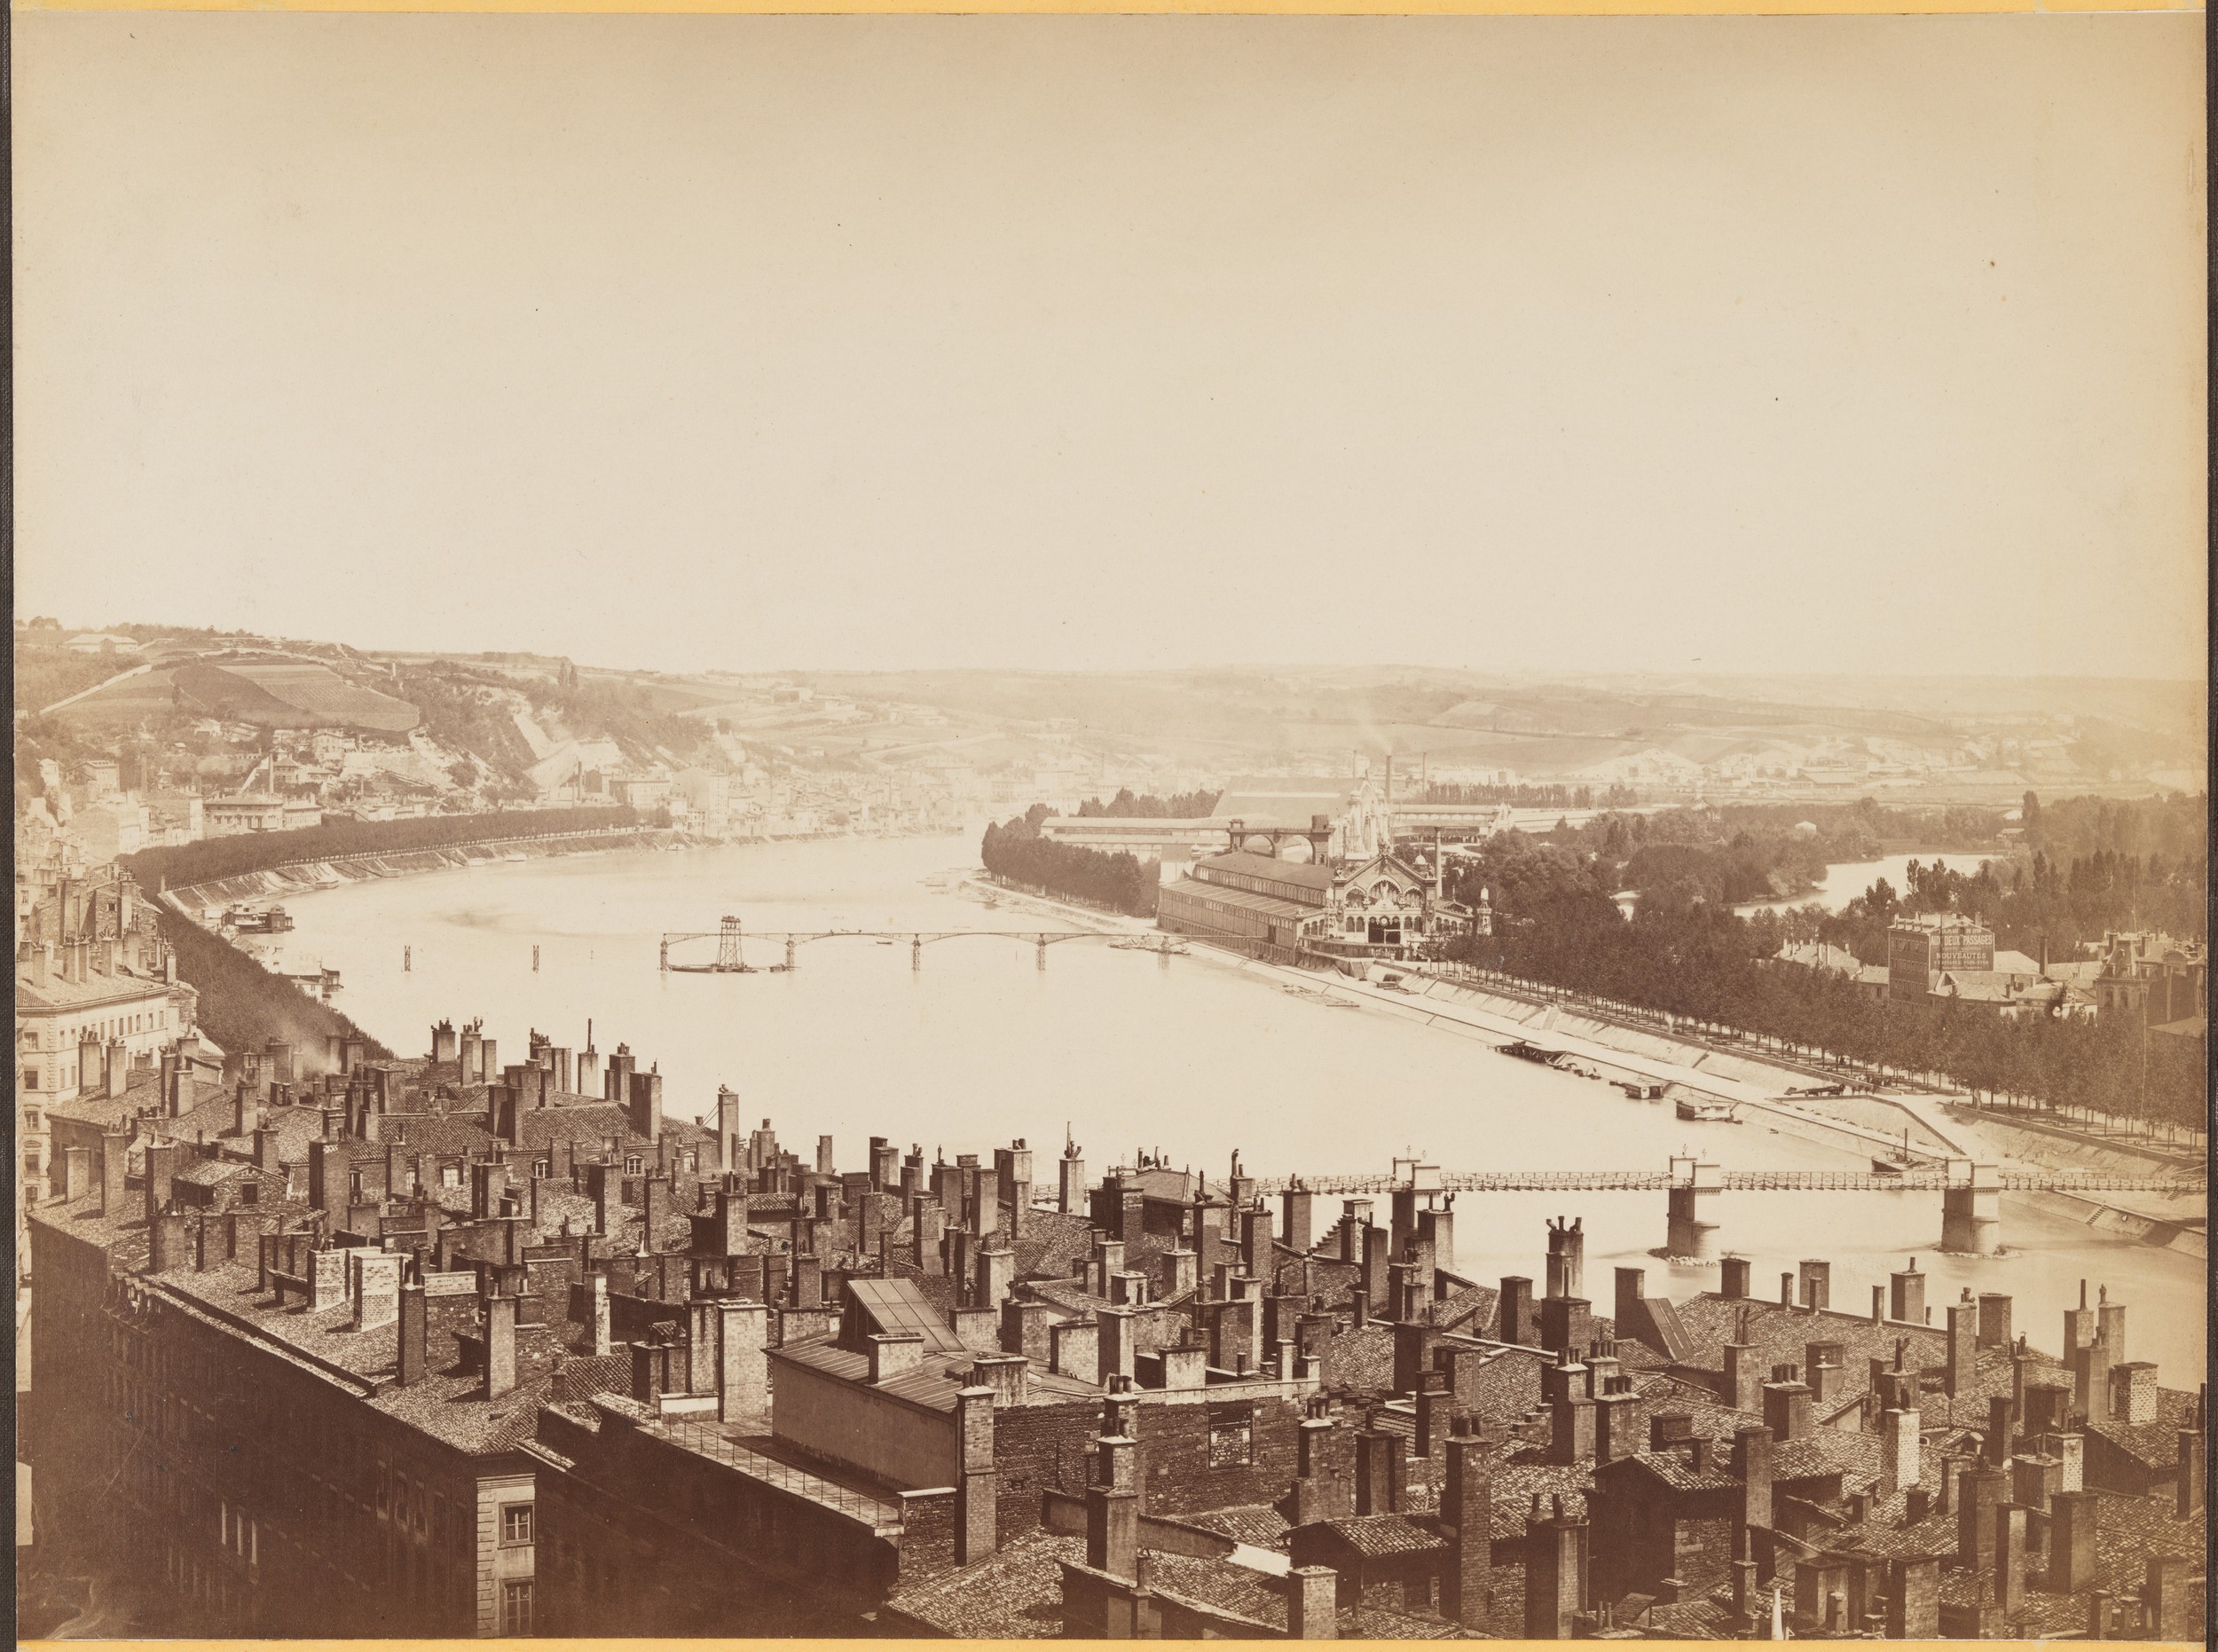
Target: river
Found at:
x=1844, y=880
x=1192, y=1055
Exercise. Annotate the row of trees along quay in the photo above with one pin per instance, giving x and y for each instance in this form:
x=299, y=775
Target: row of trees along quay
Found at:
x=1015, y=854
x=215, y=858
x=2092, y=866
x=242, y=1005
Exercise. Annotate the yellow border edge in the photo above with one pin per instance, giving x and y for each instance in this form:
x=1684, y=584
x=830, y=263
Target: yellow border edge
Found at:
x=1186, y=8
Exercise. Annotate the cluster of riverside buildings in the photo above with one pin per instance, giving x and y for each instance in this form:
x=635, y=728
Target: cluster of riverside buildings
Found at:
x=97, y=1000
x=2148, y=979
x=455, y=1345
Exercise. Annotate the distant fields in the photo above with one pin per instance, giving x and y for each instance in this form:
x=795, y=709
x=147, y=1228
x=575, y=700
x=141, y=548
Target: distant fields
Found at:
x=272, y=694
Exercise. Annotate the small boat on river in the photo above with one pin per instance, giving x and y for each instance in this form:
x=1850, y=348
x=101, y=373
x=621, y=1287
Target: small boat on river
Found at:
x=1702, y=1110
x=1897, y=1162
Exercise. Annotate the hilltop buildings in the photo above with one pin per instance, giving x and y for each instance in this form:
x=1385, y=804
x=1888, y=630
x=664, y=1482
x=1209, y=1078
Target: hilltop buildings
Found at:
x=451, y=1346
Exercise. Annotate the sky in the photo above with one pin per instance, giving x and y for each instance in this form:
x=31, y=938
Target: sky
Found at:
x=1839, y=344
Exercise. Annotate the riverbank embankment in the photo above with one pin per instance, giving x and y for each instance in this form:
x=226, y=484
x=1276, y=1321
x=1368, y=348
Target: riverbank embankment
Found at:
x=298, y=877
x=1857, y=1123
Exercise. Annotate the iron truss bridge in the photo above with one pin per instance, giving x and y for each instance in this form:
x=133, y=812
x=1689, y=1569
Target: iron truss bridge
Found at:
x=731, y=943
x=1930, y=1181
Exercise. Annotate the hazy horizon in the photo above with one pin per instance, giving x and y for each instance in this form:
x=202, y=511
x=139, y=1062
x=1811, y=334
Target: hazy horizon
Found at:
x=1747, y=348
x=1173, y=668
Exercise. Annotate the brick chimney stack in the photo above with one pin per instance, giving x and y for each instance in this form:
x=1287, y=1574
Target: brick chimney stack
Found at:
x=1994, y=1319
x=1467, y=1504
x=1070, y=1197
x=1906, y=1295
x=1312, y=1603
x=115, y=1162
x=1320, y=1488
x=1514, y=1313
x=1914, y=1599
x=160, y=1162
x=975, y=1516
x=1556, y=1567
x=414, y=1330
x=76, y=1173
x=2188, y=1489
x=1963, y=1345
x=1752, y=1466
x=1899, y=1444
x=644, y=1101
x=2072, y=1553
x=1616, y=1421
x=2010, y=1558
x=1567, y=1257
x=1787, y=1405
x=1743, y=1377
x=500, y=1346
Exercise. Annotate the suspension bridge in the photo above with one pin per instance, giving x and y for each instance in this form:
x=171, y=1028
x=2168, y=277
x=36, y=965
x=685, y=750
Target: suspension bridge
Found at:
x=1972, y=1216
x=1935, y=1179
x=731, y=938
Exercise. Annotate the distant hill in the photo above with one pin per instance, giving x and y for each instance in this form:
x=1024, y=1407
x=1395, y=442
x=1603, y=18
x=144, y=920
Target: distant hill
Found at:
x=267, y=691
x=290, y=694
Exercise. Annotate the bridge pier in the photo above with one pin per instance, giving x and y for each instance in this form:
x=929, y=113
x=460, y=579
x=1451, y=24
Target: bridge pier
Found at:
x=1686, y=1234
x=1043, y=951
x=665, y=965
x=916, y=953
x=789, y=952
x=1971, y=1209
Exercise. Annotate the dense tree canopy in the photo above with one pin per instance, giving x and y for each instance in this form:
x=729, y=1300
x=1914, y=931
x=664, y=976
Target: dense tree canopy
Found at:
x=1017, y=854
x=1180, y=806
x=1684, y=952
x=215, y=858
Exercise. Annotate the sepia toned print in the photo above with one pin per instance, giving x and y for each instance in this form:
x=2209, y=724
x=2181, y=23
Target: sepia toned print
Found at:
x=1110, y=827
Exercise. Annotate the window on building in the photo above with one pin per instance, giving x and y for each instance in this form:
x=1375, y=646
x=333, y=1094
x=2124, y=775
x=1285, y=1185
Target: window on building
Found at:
x=450, y=1176
x=30, y=1078
x=633, y=1164
x=516, y=1608
x=1231, y=1434
x=516, y=1522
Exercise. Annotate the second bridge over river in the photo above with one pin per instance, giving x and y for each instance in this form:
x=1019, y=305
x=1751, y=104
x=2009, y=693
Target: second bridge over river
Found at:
x=731, y=944
x=1971, y=1192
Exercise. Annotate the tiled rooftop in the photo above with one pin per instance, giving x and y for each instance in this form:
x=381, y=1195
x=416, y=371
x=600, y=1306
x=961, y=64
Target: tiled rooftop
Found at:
x=1377, y=1536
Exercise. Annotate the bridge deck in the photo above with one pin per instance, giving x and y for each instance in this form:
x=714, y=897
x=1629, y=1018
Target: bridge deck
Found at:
x=1747, y=1182
x=1037, y=933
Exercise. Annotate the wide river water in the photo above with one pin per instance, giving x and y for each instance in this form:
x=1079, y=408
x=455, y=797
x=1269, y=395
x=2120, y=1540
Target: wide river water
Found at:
x=1193, y=1056
x=1844, y=880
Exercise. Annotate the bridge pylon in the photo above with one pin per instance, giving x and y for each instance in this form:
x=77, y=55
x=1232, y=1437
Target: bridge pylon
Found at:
x=1686, y=1234
x=1971, y=1209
